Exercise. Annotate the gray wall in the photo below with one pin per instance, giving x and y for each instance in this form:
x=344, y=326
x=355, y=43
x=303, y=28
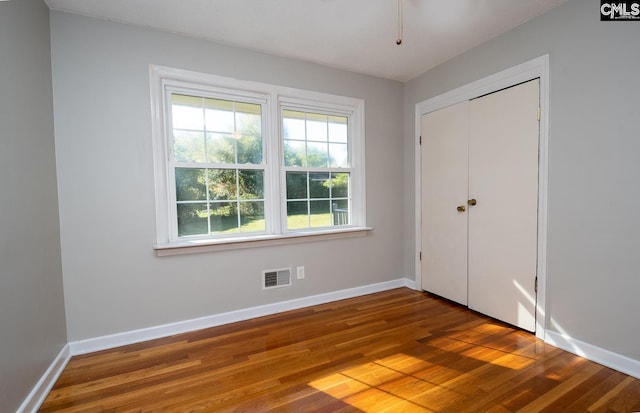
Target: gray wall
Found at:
x=113, y=280
x=593, y=276
x=32, y=318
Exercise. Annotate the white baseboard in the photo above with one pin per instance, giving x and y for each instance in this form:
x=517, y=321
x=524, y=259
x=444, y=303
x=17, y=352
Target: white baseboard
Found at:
x=137, y=336
x=410, y=283
x=589, y=351
x=43, y=387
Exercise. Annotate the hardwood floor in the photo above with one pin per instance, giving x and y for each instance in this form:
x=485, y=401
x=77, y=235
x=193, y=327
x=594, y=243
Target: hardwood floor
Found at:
x=395, y=351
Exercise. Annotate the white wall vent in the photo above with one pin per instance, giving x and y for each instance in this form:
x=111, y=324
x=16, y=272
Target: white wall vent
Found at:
x=276, y=278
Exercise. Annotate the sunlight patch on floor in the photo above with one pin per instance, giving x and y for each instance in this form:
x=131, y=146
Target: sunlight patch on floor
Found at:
x=409, y=384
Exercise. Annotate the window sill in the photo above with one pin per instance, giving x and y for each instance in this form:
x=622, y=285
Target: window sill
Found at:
x=226, y=244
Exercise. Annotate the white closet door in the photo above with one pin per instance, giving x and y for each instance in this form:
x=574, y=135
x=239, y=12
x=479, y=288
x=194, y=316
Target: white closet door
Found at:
x=503, y=178
x=444, y=188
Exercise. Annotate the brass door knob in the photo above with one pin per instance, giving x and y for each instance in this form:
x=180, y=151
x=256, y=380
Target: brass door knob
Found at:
x=472, y=202
x=461, y=208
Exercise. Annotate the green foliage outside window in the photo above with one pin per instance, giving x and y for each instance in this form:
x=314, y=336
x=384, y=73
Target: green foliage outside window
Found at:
x=226, y=134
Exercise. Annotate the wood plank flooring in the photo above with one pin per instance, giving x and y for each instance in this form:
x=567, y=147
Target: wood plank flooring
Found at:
x=395, y=351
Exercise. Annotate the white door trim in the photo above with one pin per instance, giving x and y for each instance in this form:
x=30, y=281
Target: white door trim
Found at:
x=535, y=68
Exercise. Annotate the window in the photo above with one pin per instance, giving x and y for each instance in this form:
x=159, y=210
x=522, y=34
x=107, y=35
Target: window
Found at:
x=316, y=164
x=217, y=165
x=243, y=161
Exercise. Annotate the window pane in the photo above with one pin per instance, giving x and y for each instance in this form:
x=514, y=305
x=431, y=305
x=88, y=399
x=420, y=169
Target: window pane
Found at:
x=340, y=185
x=219, y=121
x=192, y=219
x=338, y=155
x=219, y=115
x=190, y=184
x=297, y=215
x=251, y=184
x=316, y=127
x=220, y=148
x=295, y=153
x=293, y=125
x=188, y=146
x=252, y=216
x=296, y=185
x=222, y=184
x=325, y=146
x=186, y=112
x=338, y=129
x=249, y=132
x=224, y=217
x=320, y=213
x=249, y=123
x=250, y=149
x=319, y=185
x=340, y=211
x=317, y=154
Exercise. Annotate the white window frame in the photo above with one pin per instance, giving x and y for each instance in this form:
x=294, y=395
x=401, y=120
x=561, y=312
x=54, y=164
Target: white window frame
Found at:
x=164, y=81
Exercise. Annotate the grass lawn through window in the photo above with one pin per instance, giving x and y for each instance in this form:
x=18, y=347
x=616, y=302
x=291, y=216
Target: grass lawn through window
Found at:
x=228, y=224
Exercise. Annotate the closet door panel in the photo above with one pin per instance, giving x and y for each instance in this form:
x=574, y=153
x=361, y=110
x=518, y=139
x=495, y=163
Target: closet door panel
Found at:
x=444, y=188
x=503, y=179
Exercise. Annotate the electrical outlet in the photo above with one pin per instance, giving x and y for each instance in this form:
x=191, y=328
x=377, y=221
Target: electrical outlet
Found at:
x=300, y=272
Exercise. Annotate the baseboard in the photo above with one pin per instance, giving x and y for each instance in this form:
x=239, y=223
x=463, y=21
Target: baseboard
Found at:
x=410, y=283
x=599, y=355
x=137, y=336
x=40, y=391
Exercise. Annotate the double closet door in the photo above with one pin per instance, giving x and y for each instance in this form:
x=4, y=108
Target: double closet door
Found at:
x=480, y=203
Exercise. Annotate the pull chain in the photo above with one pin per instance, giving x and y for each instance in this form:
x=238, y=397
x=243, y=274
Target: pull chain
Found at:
x=400, y=22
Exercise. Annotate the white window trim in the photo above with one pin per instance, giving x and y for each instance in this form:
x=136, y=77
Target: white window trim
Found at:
x=162, y=78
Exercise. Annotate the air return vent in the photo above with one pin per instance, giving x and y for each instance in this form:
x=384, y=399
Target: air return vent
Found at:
x=276, y=278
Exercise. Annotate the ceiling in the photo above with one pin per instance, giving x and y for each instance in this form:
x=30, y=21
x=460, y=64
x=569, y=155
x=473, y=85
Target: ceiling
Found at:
x=356, y=35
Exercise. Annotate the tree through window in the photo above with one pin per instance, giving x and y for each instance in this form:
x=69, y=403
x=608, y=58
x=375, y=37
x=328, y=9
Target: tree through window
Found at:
x=219, y=173
x=316, y=160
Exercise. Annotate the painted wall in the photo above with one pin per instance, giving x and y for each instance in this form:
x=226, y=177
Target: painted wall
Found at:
x=593, y=276
x=113, y=280
x=32, y=318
